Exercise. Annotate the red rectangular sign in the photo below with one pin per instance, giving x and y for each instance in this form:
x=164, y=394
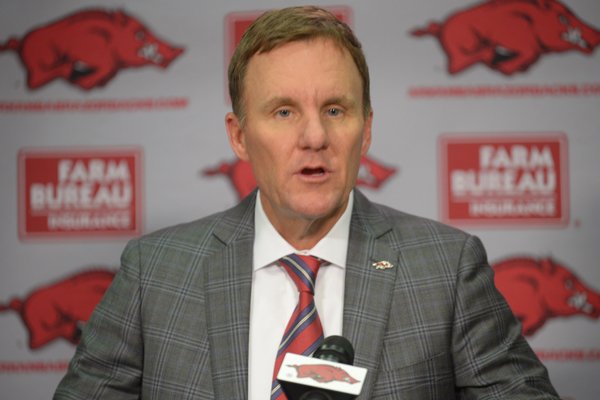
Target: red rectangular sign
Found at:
x=79, y=192
x=511, y=178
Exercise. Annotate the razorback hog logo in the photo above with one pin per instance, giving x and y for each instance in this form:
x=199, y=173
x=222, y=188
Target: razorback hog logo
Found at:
x=88, y=48
x=539, y=289
x=510, y=35
x=323, y=373
x=60, y=309
x=371, y=174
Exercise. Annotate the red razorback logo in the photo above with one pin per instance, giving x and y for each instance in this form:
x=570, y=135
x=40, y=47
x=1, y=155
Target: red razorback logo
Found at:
x=371, y=174
x=324, y=373
x=59, y=310
x=88, y=48
x=539, y=289
x=510, y=35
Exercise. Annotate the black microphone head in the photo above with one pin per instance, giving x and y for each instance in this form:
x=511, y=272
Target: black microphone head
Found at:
x=337, y=349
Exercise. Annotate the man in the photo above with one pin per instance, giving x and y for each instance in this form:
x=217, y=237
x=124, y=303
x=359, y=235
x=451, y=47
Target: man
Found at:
x=198, y=310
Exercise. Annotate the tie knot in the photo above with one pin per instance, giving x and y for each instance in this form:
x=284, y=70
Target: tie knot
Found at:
x=303, y=270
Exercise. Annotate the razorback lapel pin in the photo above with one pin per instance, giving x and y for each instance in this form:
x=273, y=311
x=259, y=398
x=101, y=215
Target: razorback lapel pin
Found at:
x=383, y=265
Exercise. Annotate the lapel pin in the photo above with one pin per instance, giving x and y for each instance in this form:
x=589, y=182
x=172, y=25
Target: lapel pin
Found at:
x=383, y=265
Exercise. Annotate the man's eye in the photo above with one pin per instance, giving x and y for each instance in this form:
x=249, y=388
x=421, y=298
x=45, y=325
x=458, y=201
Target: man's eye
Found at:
x=334, y=112
x=284, y=113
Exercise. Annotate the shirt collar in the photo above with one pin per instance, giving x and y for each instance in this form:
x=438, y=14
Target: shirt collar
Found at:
x=269, y=245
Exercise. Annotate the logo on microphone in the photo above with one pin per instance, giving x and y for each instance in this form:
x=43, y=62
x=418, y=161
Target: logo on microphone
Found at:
x=302, y=374
x=323, y=373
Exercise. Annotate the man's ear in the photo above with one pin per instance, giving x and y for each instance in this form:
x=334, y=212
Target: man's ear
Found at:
x=235, y=133
x=366, y=140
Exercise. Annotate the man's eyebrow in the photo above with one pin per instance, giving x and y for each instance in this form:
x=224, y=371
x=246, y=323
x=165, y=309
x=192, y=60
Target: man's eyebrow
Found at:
x=277, y=101
x=346, y=101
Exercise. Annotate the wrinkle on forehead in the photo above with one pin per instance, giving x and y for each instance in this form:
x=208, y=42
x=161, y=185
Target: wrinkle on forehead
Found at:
x=332, y=80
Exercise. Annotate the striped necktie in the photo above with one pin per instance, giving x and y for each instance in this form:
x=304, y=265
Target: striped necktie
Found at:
x=304, y=333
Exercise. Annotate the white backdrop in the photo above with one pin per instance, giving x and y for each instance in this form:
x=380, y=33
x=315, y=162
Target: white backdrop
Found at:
x=167, y=124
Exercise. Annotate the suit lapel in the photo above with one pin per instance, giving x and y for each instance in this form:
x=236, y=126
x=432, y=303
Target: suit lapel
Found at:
x=367, y=299
x=228, y=287
x=368, y=290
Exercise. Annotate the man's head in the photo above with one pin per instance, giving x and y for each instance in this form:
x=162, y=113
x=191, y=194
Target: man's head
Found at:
x=305, y=123
x=278, y=27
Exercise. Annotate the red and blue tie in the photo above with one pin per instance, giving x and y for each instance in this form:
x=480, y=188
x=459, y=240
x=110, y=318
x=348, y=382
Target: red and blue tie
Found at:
x=304, y=333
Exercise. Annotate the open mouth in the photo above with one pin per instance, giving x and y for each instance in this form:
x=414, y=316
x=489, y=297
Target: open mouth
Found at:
x=313, y=171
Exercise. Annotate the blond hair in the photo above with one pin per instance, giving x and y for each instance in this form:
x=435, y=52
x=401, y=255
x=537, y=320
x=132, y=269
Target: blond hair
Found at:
x=278, y=27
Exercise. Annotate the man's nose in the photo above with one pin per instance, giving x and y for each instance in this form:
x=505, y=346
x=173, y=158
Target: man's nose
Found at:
x=314, y=133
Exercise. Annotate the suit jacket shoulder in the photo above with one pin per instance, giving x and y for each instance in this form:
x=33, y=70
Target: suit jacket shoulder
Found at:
x=430, y=324
x=175, y=315
x=380, y=218
x=226, y=226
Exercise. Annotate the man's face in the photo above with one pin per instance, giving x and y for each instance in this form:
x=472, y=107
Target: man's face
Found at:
x=304, y=130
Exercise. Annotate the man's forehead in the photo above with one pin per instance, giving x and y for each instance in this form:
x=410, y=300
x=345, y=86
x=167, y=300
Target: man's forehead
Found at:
x=300, y=95
x=286, y=55
x=295, y=47
x=313, y=40
x=276, y=77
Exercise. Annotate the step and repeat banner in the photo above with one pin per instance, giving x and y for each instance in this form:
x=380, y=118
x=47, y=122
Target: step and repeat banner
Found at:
x=487, y=117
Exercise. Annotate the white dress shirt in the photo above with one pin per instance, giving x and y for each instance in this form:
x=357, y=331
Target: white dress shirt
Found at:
x=274, y=294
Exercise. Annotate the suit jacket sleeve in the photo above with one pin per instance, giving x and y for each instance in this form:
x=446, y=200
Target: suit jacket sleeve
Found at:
x=176, y=311
x=491, y=358
x=108, y=361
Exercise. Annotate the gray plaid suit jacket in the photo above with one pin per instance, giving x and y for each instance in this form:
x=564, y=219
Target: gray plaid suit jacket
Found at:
x=175, y=322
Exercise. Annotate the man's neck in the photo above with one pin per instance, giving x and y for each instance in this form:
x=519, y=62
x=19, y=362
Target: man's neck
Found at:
x=304, y=233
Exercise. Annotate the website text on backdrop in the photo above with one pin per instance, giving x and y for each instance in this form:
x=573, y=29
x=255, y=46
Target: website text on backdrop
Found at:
x=198, y=310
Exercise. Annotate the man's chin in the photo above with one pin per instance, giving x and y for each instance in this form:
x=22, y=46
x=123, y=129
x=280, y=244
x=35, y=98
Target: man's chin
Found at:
x=318, y=208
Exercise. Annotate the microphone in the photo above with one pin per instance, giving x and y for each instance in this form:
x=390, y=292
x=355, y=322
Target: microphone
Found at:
x=327, y=375
x=337, y=349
